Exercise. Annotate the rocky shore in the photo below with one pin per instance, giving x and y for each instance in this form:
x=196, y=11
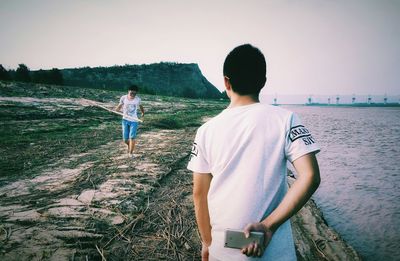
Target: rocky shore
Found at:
x=315, y=240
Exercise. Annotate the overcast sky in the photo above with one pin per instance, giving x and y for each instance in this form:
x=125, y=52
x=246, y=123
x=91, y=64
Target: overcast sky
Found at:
x=323, y=47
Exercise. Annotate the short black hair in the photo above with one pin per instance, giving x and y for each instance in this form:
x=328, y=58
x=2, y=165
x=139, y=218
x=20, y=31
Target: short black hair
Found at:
x=133, y=87
x=246, y=69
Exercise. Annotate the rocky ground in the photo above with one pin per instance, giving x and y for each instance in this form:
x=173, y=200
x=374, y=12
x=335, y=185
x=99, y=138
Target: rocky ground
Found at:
x=101, y=205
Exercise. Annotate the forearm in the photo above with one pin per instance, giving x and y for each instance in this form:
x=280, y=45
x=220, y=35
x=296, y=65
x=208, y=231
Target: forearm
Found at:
x=203, y=219
x=201, y=185
x=141, y=109
x=118, y=108
x=298, y=194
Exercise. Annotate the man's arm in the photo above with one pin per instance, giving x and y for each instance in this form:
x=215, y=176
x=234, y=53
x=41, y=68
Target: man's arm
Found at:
x=297, y=196
x=201, y=185
x=141, y=109
x=118, y=108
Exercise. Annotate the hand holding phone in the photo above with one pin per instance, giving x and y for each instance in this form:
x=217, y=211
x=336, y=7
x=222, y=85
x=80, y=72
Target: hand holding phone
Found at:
x=237, y=239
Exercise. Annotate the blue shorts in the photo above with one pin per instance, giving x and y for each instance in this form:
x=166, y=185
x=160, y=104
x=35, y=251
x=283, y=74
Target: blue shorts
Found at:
x=129, y=129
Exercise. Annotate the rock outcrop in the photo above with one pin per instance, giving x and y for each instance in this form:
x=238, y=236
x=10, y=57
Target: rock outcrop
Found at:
x=171, y=79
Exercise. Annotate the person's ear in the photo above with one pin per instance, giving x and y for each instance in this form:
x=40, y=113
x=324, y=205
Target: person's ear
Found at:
x=228, y=85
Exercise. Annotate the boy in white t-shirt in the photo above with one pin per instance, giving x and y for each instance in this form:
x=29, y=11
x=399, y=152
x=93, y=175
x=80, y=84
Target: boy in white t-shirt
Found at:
x=130, y=104
x=239, y=162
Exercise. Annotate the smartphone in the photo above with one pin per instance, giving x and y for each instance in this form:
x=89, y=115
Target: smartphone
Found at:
x=237, y=239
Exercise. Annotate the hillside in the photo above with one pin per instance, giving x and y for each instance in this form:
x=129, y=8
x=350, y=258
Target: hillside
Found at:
x=171, y=79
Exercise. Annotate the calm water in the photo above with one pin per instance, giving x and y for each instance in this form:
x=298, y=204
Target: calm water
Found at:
x=360, y=169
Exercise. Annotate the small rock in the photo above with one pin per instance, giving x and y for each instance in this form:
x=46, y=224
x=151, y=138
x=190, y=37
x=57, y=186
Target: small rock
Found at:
x=117, y=220
x=187, y=246
x=86, y=196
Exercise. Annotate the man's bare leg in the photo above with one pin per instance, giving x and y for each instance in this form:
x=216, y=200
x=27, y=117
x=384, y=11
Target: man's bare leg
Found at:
x=132, y=143
x=127, y=144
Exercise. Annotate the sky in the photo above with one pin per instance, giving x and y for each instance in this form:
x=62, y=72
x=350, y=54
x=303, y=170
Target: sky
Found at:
x=324, y=47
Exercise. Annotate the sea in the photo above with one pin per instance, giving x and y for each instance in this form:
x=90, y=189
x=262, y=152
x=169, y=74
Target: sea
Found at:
x=360, y=171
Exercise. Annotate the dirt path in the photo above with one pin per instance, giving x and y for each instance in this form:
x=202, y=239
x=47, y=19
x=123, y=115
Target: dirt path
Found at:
x=73, y=212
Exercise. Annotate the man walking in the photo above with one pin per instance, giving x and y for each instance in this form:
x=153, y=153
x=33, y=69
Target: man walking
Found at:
x=239, y=162
x=130, y=104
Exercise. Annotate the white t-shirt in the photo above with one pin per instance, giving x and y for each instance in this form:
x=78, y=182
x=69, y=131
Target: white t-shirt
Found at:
x=246, y=150
x=129, y=107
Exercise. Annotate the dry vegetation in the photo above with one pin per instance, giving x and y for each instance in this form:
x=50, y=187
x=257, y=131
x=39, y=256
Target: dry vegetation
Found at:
x=68, y=191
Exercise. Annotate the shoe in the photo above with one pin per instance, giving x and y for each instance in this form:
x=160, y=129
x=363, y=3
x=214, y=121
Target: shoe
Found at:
x=131, y=156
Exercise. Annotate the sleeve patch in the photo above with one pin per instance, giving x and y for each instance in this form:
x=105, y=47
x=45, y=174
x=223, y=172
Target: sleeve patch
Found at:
x=194, y=151
x=300, y=131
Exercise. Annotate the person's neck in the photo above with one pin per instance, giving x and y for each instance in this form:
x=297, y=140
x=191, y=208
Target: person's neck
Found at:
x=242, y=100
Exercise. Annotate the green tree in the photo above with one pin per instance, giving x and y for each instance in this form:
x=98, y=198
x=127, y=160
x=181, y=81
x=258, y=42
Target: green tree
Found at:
x=22, y=73
x=56, y=77
x=39, y=76
x=4, y=74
